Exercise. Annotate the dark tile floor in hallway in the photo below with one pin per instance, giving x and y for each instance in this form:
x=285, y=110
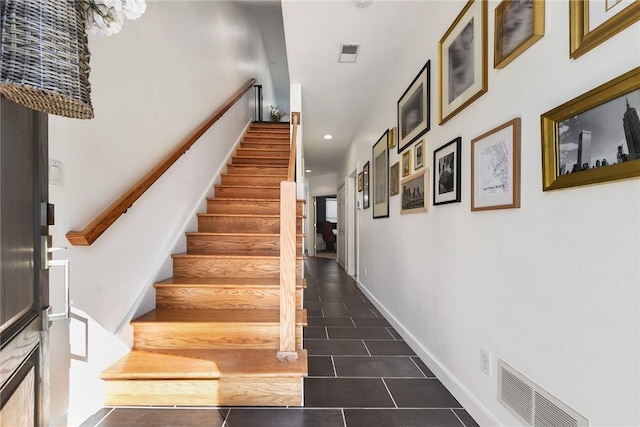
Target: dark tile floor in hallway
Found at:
x=361, y=373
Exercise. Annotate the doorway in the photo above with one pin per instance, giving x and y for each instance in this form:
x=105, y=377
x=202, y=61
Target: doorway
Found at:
x=326, y=226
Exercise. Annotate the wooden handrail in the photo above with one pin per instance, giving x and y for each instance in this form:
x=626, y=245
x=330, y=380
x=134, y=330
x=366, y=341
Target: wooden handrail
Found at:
x=288, y=198
x=102, y=222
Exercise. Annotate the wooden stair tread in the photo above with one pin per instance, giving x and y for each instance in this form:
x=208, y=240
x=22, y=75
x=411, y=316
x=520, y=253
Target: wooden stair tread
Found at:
x=205, y=256
x=225, y=282
x=209, y=233
x=216, y=316
x=245, y=199
x=247, y=186
x=241, y=215
x=204, y=364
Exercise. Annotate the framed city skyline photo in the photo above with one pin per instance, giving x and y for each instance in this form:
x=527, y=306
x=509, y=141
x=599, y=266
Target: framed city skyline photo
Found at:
x=380, y=155
x=360, y=182
x=414, y=193
x=462, y=54
x=518, y=25
x=418, y=158
x=394, y=179
x=365, y=186
x=414, y=109
x=406, y=163
x=595, y=137
x=447, y=173
x=592, y=22
x=495, y=168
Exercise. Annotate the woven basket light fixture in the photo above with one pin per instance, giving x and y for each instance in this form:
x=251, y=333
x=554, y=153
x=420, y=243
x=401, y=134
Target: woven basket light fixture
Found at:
x=44, y=56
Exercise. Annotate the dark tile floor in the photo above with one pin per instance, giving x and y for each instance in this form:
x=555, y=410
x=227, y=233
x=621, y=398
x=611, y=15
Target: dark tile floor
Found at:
x=361, y=373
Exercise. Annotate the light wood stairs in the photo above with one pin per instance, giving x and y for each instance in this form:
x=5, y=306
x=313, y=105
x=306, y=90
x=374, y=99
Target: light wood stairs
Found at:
x=213, y=338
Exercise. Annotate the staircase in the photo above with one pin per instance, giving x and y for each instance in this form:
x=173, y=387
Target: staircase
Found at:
x=214, y=335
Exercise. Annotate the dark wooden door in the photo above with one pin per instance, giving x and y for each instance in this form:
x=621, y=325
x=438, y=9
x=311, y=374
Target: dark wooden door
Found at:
x=23, y=274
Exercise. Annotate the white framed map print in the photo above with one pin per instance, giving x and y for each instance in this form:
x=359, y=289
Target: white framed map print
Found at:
x=495, y=168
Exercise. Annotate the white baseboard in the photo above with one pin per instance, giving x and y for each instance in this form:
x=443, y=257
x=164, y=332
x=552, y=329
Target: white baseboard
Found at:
x=455, y=387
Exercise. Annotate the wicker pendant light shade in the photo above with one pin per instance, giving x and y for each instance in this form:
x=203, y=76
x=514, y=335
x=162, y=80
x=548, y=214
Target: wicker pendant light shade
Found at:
x=44, y=56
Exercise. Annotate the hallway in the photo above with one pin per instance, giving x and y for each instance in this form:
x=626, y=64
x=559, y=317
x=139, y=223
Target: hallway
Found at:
x=361, y=373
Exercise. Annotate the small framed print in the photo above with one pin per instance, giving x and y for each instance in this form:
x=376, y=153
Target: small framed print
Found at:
x=518, y=25
x=365, y=186
x=418, y=155
x=495, y=168
x=360, y=182
x=394, y=179
x=393, y=134
x=406, y=163
x=414, y=193
x=447, y=172
x=380, y=154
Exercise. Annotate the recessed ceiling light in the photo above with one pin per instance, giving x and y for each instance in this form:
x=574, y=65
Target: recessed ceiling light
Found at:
x=308, y=170
x=327, y=136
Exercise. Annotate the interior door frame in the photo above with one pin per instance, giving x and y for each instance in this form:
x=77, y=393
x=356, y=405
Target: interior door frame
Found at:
x=351, y=223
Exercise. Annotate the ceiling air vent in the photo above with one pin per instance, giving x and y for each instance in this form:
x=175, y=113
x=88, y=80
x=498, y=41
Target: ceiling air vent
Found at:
x=531, y=404
x=349, y=52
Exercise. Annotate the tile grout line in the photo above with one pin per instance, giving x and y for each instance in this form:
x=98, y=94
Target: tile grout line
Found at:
x=459, y=419
x=414, y=362
x=333, y=365
x=105, y=417
x=344, y=418
x=389, y=391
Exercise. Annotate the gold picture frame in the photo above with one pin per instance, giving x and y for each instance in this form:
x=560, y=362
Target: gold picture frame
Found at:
x=415, y=193
x=582, y=38
x=406, y=163
x=594, y=122
x=495, y=168
x=463, y=58
x=518, y=25
x=393, y=132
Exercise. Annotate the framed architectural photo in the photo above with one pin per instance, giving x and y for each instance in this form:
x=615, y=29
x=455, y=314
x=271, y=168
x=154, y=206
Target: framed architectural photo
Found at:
x=365, y=186
x=380, y=155
x=447, y=172
x=462, y=54
x=518, y=25
x=394, y=179
x=406, y=163
x=418, y=151
x=360, y=182
x=414, y=193
x=414, y=109
x=592, y=22
x=595, y=137
x=495, y=168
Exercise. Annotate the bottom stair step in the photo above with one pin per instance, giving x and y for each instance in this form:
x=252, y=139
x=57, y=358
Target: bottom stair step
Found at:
x=205, y=377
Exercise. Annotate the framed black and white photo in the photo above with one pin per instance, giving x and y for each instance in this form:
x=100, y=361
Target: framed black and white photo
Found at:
x=380, y=155
x=414, y=109
x=360, y=182
x=414, y=193
x=447, y=172
x=365, y=186
x=418, y=151
x=518, y=25
x=592, y=22
x=406, y=163
x=595, y=137
x=462, y=53
x=495, y=168
x=394, y=179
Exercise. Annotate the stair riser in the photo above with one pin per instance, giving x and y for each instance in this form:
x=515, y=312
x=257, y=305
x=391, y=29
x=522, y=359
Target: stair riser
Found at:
x=230, y=267
x=203, y=335
x=251, y=180
x=265, y=145
x=230, y=244
x=253, y=170
x=247, y=192
x=240, y=224
x=269, y=127
x=257, y=207
x=262, y=153
x=282, y=138
x=202, y=298
x=162, y=392
x=261, y=391
x=259, y=161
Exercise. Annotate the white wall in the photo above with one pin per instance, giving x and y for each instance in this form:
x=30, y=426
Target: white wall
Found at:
x=551, y=288
x=152, y=85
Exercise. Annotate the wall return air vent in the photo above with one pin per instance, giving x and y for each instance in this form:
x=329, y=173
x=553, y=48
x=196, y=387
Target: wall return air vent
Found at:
x=531, y=404
x=349, y=53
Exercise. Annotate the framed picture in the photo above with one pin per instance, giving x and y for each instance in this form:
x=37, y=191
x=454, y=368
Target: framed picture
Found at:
x=592, y=22
x=380, y=155
x=447, y=172
x=406, y=163
x=418, y=158
x=393, y=134
x=414, y=193
x=365, y=186
x=394, y=179
x=595, y=137
x=360, y=181
x=462, y=53
x=495, y=168
x=518, y=25
x=414, y=109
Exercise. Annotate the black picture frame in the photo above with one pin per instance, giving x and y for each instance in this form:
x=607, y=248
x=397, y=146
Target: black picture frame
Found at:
x=414, y=109
x=365, y=189
x=447, y=172
x=380, y=158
